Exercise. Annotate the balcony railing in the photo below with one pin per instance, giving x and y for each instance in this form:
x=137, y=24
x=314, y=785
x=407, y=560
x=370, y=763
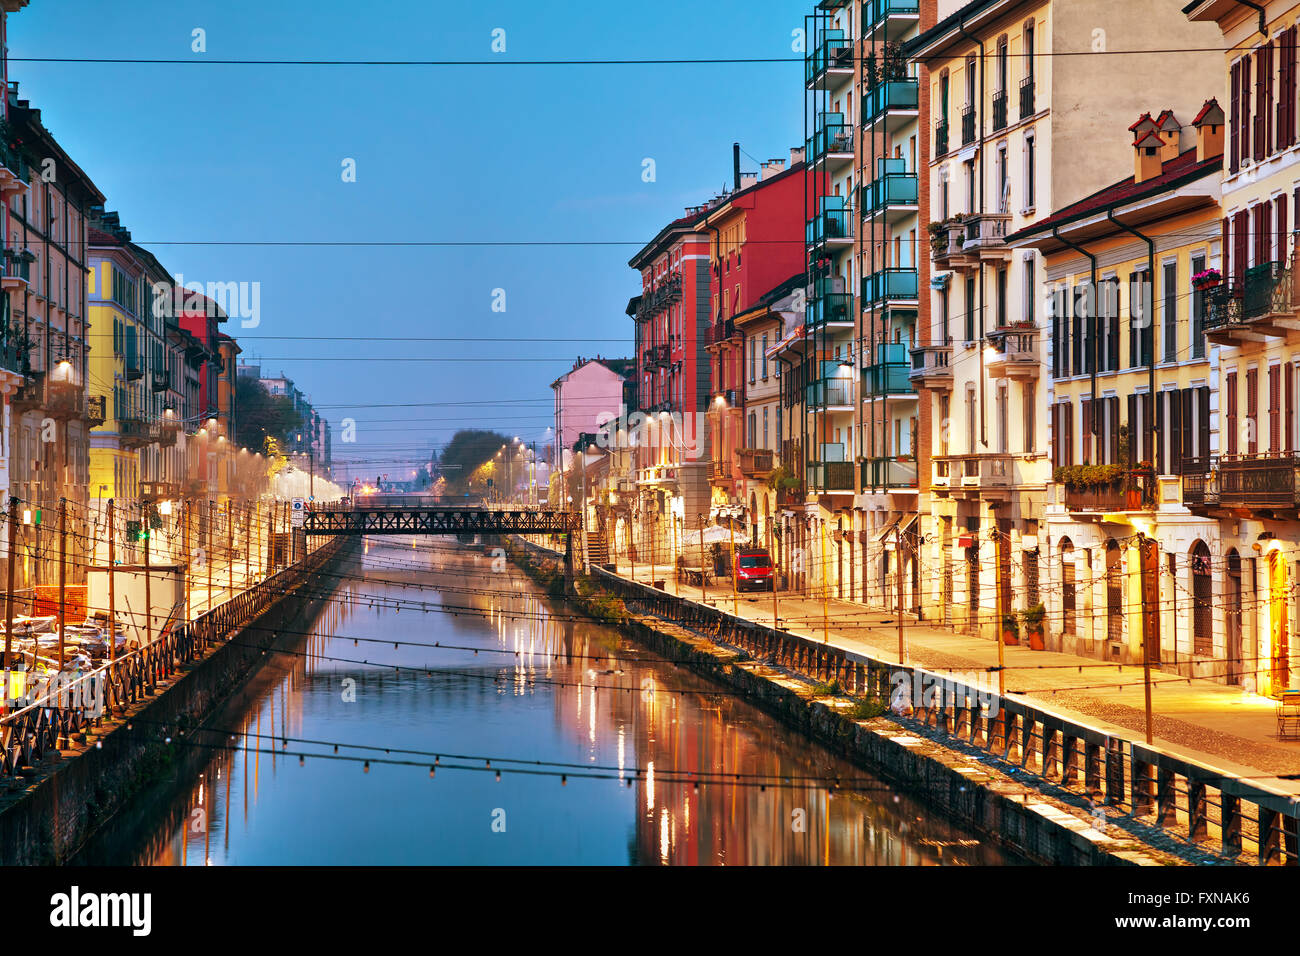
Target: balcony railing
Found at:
x=931, y=363
x=833, y=136
x=941, y=138
x=892, y=189
x=829, y=225
x=891, y=96
x=1262, y=300
x=893, y=283
x=875, y=11
x=830, y=308
x=1027, y=97
x=999, y=110
x=1015, y=353
x=889, y=473
x=656, y=356
x=11, y=357
x=721, y=331
x=985, y=231
x=756, y=462
x=830, y=475
x=835, y=52
x=668, y=291
x=1259, y=481
x=967, y=125
x=137, y=431
x=829, y=393
x=978, y=473
x=1135, y=491
x=889, y=374
x=96, y=410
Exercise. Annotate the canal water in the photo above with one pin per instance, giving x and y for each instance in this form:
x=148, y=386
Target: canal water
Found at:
x=605, y=753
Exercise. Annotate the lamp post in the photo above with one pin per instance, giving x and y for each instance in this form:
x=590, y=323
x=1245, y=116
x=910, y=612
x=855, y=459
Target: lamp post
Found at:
x=704, y=594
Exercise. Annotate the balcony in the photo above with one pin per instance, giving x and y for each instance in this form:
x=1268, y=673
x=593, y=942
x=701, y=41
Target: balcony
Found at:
x=835, y=309
x=96, y=410
x=831, y=63
x=12, y=357
x=1015, y=354
x=830, y=475
x=892, y=195
x=136, y=432
x=990, y=476
x=756, y=462
x=1027, y=97
x=1261, y=305
x=1259, y=482
x=948, y=242
x=985, y=236
x=999, y=110
x=967, y=125
x=941, y=139
x=831, y=227
x=160, y=381
x=159, y=490
x=17, y=270
x=892, y=102
x=14, y=171
x=720, y=332
x=829, y=394
x=720, y=472
x=659, y=297
x=889, y=375
x=889, y=284
x=931, y=366
x=656, y=356
x=890, y=18
x=883, y=474
x=832, y=143
x=1089, y=490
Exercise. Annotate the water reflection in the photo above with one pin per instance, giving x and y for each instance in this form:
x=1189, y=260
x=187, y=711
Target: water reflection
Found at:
x=520, y=687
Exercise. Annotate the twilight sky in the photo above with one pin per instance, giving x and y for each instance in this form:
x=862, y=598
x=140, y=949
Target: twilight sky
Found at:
x=191, y=153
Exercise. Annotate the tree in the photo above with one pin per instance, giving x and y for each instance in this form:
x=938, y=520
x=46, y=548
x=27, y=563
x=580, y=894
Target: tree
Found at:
x=465, y=455
x=261, y=415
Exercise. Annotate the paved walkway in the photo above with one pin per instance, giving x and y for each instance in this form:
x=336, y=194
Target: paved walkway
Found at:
x=1208, y=722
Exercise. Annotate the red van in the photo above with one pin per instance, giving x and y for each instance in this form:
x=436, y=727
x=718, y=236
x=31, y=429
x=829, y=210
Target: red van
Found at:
x=753, y=569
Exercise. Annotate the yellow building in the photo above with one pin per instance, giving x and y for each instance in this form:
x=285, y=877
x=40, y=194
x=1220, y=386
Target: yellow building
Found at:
x=1131, y=412
x=1252, y=486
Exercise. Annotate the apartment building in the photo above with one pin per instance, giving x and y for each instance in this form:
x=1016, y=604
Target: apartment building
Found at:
x=1125, y=546
x=1249, y=482
x=999, y=162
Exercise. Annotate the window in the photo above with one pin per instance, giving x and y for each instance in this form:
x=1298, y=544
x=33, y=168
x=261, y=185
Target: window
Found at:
x=1002, y=419
x=1001, y=78
x=970, y=419
x=1030, y=183
x=1002, y=298
x=1029, y=50
x=970, y=309
x=1141, y=331
x=1031, y=296
x=1003, y=180
x=945, y=330
x=764, y=357
x=1028, y=401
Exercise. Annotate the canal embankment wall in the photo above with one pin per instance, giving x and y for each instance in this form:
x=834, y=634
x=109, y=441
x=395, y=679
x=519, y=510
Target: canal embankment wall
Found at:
x=804, y=686
x=52, y=808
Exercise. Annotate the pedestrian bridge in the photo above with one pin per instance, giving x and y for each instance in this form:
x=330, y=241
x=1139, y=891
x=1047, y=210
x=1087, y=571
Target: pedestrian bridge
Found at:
x=420, y=518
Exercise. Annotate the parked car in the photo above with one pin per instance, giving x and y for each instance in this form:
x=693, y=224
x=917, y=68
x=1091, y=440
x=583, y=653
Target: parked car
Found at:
x=753, y=569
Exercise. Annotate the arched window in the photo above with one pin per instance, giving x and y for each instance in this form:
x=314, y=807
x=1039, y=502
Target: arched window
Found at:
x=1202, y=601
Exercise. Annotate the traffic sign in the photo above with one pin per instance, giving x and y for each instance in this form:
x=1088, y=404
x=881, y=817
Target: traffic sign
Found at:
x=298, y=513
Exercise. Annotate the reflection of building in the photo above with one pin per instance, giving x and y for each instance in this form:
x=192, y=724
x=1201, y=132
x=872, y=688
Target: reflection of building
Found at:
x=1131, y=406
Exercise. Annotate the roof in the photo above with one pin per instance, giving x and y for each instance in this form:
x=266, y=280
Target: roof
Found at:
x=1174, y=173
x=947, y=26
x=773, y=295
x=1211, y=112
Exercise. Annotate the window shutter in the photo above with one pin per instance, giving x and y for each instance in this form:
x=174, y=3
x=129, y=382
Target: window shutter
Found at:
x=1085, y=430
x=1174, y=419
x=1234, y=118
x=1243, y=114
x=1288, y=406
x=1241, y=235
x=1261, y=102
x=1267, y=111
x=1132, y=428
x=1056, y=436
x=1203, y=426
x=1068, y=411
x=1252, y=410
x=1280, y=217
x=1186, y=451
x=1274, y=408
x=1230, y=389
x=1112, y=429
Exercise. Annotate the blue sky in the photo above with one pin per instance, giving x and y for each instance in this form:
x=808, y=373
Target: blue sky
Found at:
x=190, y=153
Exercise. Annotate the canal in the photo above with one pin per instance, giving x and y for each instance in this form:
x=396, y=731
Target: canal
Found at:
x=440, y=710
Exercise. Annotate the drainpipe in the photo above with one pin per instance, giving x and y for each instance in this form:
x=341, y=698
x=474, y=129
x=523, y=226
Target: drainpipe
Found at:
x=1151, y=319
x=1263, y=20
x=1092, y=319
x=979, y=143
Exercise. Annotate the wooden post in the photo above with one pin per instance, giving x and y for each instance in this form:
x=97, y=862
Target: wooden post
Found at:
x=735, y=598
x=146, y=531
x=185, y=549
x=704, y=594
x=112, y=594
x=776, y=621
x=9, y=594
x=63, y=578
x=826, y=593
x=898, y=586
x=248, y=546
x=230, y=547
x=997, y=591
x=209, y=552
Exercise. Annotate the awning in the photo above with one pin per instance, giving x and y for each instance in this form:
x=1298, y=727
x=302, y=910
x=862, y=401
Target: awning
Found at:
x=904, y=523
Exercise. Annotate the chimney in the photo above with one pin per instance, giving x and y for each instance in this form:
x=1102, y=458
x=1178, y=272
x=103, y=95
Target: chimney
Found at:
x=772, y=167
x=735, y=165
x=1209, y=131
x=747, y=180
x=1169, y=130
x=1148, y=160
x=796, y=155
x=1144, y=125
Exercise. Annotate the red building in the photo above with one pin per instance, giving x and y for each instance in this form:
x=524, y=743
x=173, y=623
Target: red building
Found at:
x=699, y=272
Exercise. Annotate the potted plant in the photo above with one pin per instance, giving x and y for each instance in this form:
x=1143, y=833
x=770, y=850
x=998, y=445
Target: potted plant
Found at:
x=1206, y=279
x=1033, y=620
x=1010, y=630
